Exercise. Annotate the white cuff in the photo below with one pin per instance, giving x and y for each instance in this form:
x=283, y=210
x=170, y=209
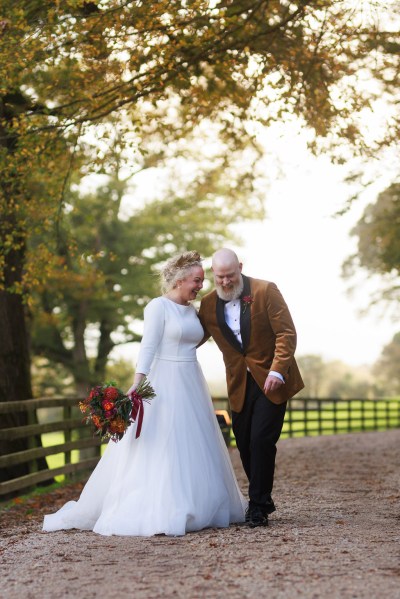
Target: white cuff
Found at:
x=277, y=374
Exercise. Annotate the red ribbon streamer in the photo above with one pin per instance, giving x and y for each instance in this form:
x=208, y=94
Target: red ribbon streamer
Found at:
x=137, y=412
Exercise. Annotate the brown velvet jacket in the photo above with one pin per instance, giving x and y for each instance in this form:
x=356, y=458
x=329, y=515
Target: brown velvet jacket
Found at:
x=268, y=340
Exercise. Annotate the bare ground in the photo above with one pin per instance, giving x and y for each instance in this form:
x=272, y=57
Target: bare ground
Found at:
x=336, y=534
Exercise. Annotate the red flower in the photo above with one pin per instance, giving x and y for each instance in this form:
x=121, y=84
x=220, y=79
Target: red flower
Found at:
x=110, y=393
x=247, y=300
x=95, y=392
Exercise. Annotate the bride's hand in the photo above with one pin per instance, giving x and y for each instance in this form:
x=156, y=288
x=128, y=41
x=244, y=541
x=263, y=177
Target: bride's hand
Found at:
x=131, y=389
x=137, y=379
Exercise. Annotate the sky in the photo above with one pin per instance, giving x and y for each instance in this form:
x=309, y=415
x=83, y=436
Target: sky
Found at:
x=301, y=246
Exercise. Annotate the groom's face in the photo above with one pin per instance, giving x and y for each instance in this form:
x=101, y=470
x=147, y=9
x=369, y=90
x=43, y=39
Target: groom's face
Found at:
x=228, y=280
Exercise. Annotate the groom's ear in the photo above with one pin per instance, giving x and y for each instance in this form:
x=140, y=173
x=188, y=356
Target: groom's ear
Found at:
x=240, y=266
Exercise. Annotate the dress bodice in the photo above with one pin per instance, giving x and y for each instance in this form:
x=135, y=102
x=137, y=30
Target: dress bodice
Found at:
x=171, y=332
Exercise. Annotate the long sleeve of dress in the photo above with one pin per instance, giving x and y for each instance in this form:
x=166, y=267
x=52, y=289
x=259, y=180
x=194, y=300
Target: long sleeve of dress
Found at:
x=154, y=317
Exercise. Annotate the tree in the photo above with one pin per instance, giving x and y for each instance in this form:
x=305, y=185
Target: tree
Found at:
x=387, y=367
x=104, y=280
x=313, y=369
x=67, y=64
x=378, y=250
x=50, y=379
x=335, y=379
x=348, y=384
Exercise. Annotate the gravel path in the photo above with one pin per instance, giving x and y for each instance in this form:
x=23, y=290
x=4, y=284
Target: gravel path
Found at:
x=336, y=534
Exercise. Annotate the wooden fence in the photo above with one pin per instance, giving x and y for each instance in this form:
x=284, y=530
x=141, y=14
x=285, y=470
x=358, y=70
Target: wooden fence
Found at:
x=75, y=437
x=307, y=417
x=303, y=417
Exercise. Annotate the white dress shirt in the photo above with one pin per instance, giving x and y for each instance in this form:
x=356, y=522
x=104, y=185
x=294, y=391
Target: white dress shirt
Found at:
x=232, y=319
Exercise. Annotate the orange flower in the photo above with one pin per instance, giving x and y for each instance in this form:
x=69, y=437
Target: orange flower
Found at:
x=107, y=405
x=96, y=421
x=83, y=407
x=117, y=425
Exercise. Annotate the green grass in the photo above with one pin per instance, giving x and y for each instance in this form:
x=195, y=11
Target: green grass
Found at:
x=57, y=460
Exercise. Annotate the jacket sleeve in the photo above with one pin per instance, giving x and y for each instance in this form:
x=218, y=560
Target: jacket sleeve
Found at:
x=202, y=319
x=283, y=328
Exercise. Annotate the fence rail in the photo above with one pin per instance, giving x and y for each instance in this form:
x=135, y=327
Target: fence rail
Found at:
x=304, y=417
x=72, y=431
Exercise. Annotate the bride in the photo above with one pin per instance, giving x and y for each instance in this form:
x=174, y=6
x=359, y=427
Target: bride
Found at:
x=177, y=476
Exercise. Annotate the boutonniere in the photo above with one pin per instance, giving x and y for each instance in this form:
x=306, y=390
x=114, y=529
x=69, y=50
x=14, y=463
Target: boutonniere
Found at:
x=247, y=300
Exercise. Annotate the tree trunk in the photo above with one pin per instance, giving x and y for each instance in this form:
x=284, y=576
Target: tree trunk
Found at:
x=81, y=370
x=15, y=383
x=79, y=356
x=15, y=377
x=105, y=346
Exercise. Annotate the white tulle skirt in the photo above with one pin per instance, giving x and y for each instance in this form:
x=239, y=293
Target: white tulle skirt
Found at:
x=175, y=478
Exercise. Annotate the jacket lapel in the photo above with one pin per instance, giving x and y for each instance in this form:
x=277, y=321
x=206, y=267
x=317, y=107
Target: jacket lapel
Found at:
x=226, y=331
x=245, y=314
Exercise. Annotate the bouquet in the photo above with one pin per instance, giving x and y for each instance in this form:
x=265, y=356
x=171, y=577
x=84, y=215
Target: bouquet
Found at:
x=112, y=412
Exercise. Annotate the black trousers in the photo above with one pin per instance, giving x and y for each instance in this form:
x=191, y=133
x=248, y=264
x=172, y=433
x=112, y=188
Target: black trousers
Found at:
x=257, y=429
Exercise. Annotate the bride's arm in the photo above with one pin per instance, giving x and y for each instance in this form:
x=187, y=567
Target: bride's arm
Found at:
x=152, y=335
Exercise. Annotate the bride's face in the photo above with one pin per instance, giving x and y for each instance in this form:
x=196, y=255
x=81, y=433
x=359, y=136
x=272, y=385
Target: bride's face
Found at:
x=191, y=284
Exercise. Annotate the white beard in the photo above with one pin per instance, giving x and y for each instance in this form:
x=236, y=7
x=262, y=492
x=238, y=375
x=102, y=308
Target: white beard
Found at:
x=232, y=294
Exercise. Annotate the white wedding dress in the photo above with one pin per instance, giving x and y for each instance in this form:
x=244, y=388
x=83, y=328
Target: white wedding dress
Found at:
x=177, y=476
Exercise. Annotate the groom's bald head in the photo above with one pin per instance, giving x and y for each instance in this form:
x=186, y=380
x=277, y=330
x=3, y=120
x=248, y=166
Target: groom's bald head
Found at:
x=227, y=274
x=225, y=258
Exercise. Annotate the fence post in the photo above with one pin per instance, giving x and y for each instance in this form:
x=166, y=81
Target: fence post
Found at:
x=375, y=413
x=288, y=418
x=319, y=416
x=334, y=409
x=305, y=410
x=67, y=436
x=363, y=415
x=31, y=419
x=350, y=404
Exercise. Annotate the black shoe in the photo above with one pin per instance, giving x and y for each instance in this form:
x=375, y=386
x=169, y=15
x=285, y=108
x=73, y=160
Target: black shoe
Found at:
x=256, y=517
x=268, y=508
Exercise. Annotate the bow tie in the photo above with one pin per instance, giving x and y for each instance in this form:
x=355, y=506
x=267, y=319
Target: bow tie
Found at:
x=228, y=301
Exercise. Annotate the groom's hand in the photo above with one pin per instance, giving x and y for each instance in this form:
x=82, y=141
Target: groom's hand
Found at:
x=272, y=383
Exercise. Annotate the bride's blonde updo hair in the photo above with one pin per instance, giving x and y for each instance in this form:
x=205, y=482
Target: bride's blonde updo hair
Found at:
x=177, y=268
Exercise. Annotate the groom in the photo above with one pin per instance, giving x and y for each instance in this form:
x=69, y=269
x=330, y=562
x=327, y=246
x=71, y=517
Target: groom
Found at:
x=251, y=324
